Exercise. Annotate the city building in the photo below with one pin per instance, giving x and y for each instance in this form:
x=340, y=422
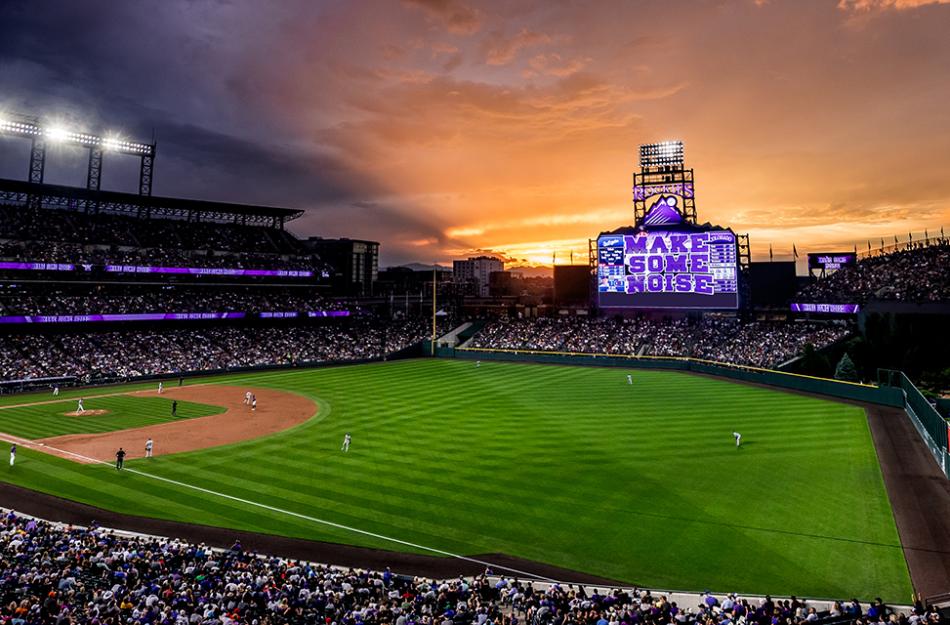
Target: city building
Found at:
x=476, y=272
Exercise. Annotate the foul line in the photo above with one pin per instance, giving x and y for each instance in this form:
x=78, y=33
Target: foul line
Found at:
x=42, y=447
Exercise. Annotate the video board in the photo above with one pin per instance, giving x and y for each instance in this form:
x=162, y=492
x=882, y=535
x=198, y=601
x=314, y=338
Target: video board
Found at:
x=668, y=269
x=831, y=261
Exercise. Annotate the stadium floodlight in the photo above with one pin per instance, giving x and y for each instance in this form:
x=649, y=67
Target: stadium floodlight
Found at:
x=57, y=134
x=661, y=154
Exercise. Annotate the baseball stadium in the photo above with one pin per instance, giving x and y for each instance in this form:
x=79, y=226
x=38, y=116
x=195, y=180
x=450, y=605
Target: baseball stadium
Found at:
x=218, y=413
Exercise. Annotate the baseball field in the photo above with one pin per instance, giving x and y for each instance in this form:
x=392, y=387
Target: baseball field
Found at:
x=567, y=466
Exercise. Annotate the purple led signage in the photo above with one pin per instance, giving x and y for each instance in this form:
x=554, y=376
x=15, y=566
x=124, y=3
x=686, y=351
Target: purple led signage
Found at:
x=846, y=309
x=193, y=316
x=279, y=315
x=642, y=192
x=668, y=269
x=832, y=261
x=38, y=266
x=210, y=271
x=328, y=313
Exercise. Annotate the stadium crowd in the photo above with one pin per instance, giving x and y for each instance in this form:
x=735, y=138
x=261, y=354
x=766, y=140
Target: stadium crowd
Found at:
x=99, y=300
x=69, y=575
x=914, y=274
x=761, y=344
x=56, y=236
x=92, y=356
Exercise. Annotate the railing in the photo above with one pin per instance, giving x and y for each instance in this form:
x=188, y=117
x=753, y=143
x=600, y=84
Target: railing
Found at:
x=925, y=417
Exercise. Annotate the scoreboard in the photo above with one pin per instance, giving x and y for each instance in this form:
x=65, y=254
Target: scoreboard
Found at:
x=668, y=269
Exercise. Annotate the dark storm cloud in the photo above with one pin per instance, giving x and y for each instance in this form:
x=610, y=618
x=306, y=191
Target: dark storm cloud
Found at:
x=144, y=69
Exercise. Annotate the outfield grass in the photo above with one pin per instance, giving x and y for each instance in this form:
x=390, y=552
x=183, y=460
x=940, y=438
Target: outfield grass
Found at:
x=566, y=465
x=125, y=411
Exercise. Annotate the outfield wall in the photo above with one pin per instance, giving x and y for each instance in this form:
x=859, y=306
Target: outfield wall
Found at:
x=871, y=393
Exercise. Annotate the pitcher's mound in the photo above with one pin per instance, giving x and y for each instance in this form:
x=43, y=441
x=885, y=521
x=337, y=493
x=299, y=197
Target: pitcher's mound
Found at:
x=87, y=413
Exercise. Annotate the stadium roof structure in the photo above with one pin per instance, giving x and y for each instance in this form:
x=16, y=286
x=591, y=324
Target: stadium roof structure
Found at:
x=22, y=193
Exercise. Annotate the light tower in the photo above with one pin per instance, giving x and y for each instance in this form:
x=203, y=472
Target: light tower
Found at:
x=662, y=173
x=43, y=133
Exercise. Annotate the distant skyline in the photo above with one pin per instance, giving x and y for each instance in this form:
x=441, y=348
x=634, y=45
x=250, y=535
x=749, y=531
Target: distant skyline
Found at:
x=449, y=128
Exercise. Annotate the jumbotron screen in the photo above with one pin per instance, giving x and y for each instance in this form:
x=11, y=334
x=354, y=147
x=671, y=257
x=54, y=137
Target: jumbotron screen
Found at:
x=668, y=269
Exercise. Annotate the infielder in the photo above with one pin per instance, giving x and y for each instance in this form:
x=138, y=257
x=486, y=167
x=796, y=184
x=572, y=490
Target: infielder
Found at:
x=12, y=454
x=738, y=438
x=253, y=402
x=247, y=398
x=148, y=447
x=346, y=442
x=161, y=387
x=79, y=408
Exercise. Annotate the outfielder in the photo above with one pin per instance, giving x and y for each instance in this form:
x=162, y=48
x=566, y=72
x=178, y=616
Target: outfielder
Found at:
x=629, y=379
x=346, y=442
x=55, y=391
x=12, y=454
x=738, y=438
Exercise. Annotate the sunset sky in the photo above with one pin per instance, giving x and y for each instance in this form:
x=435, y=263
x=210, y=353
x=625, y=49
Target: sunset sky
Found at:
x=446, y=127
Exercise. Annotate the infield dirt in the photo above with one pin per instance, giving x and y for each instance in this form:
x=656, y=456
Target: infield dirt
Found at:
x=276, y=411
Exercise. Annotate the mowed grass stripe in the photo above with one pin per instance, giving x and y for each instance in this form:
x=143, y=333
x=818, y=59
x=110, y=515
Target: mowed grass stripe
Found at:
x=570, y=466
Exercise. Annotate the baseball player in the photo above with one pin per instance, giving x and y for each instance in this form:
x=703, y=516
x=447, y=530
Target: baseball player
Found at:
x=629, y=379
x=119, y=459
x=161, y=387
x=12, y=454
x=175, y=408
x=346, y=442
x=253, y=402
x=55, y=391
x=79, y=408
x=247, y=398
x=148, y=447
x=738, y=439
x=478, y=363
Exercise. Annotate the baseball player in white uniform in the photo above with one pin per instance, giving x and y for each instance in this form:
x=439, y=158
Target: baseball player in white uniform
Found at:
x=55, y=391
x=79, y=407
x=629, y=379
x=247, y=398
x=161, y=387
x=738, y=438
x=148, y=447
x=346, y=442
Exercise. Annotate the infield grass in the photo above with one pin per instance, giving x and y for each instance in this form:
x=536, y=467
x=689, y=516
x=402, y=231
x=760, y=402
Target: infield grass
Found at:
x=565, y=465
x=43, y=420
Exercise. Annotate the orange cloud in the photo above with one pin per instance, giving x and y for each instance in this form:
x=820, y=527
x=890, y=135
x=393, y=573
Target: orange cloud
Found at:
x=502, y=50
x=456, y=17
x=868, y=5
